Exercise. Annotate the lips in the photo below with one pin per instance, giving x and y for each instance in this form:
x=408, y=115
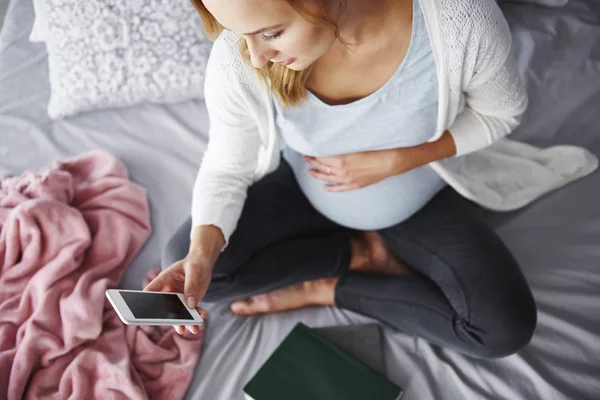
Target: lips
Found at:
x=286, y=62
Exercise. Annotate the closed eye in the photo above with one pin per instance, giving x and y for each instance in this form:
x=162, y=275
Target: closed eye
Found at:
x=268, y=38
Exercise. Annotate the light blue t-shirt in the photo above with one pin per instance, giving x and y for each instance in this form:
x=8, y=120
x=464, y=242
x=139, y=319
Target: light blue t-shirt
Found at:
x=402, y=113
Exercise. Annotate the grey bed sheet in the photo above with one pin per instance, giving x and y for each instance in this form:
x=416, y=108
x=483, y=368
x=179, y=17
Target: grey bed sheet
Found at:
x=556, y=240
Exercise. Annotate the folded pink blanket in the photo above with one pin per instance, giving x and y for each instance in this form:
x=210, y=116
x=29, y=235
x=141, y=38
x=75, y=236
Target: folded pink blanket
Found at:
x=67, y=233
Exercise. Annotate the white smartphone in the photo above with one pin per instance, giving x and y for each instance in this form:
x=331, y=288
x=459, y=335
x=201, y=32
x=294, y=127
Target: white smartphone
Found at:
x=136, y=307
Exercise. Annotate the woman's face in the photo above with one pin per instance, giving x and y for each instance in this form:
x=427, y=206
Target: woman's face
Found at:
x=274, y=31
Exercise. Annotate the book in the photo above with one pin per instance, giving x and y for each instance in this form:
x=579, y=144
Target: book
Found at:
x=306, y=366
x=360, y=341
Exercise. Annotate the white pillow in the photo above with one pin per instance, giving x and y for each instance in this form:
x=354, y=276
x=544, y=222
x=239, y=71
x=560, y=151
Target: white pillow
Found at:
x=117, y=53
x=40, y=25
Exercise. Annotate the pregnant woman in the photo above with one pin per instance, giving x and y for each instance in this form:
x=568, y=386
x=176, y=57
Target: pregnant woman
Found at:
x=322, y=183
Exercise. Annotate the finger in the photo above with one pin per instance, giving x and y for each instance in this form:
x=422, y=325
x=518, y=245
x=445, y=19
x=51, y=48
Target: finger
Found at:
x=323, y=167
x=313, y=162
x=194, y=329
x=341, y=188
x=159, y=283
x=334, y=161
x=179, y=329
x=325, y=177
x=202, y=312
x=196, y=272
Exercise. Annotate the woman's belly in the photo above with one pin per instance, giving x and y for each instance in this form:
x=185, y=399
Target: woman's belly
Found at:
x=377, y=206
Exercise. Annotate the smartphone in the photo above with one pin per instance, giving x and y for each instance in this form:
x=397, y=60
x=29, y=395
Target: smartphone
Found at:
x=136, y=307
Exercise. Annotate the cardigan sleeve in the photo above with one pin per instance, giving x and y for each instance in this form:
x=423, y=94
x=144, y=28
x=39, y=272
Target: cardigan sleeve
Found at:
x=231, y=157
x=495, y=97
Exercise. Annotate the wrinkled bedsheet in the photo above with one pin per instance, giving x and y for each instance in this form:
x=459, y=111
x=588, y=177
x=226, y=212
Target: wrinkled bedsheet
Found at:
x=556, y=239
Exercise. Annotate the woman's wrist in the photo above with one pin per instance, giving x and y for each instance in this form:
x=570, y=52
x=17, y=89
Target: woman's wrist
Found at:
x=207, y=242
x=406, y=158
x=442, y=148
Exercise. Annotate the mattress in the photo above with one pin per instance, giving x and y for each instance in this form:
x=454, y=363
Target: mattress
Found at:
x=556, y=239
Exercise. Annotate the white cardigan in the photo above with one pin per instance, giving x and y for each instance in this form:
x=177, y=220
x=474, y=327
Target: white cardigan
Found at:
x=481, y=100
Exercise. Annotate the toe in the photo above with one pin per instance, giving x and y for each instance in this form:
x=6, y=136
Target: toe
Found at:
x=239, y=307
x=253, y=305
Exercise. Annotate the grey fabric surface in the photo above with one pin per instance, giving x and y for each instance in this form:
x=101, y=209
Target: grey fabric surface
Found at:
x=3, y=7
x=556, y=239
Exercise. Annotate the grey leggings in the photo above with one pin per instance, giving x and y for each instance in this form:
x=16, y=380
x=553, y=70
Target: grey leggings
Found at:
x=468, y=294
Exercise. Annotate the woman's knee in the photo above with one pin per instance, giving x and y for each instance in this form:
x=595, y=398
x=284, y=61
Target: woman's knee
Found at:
x=512, y=331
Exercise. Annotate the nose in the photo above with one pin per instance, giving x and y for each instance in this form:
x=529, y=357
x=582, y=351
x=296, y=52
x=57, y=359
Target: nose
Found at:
x=260, y=53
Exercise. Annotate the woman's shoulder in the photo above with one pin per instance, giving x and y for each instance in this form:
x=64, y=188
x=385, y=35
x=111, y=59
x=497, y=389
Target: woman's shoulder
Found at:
x=230, y=78
x=227, y=45
x=472, y=26
x=226, y=60
x=458, y=15
x=228, y=73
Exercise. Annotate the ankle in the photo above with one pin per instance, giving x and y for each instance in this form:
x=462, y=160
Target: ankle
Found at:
x=360, y=253
x=321, y=291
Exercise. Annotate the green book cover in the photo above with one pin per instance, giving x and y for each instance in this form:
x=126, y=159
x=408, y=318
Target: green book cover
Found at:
x=307, y=366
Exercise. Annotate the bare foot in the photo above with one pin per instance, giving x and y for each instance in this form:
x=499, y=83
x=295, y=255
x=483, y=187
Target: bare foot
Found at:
x=310, y=293
x=370, y=253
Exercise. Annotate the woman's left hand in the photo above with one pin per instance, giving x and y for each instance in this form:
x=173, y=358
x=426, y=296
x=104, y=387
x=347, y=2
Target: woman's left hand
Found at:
x=357, y=170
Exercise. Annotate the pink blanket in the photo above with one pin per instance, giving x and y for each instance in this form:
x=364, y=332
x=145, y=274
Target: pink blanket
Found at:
x=67, y=234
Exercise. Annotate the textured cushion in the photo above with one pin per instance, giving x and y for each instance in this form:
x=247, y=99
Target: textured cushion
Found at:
x=117, y=53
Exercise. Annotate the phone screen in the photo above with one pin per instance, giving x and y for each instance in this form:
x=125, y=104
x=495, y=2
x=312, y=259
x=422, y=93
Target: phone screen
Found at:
x=145, y=305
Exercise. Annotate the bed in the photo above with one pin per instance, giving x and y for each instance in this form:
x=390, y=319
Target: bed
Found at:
x=556, y=239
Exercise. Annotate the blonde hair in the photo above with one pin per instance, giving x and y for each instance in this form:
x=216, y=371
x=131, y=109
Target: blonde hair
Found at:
x=288, y=85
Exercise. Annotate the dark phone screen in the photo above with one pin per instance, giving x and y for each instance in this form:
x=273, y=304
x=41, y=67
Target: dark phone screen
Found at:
x=145, y=305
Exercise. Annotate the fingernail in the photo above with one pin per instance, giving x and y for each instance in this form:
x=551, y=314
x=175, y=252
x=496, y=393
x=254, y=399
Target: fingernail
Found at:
x=236, y=307
x=191, y=302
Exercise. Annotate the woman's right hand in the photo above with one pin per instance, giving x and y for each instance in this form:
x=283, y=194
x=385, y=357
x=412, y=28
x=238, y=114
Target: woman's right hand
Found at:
x=188, y=276
x=192, y=275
